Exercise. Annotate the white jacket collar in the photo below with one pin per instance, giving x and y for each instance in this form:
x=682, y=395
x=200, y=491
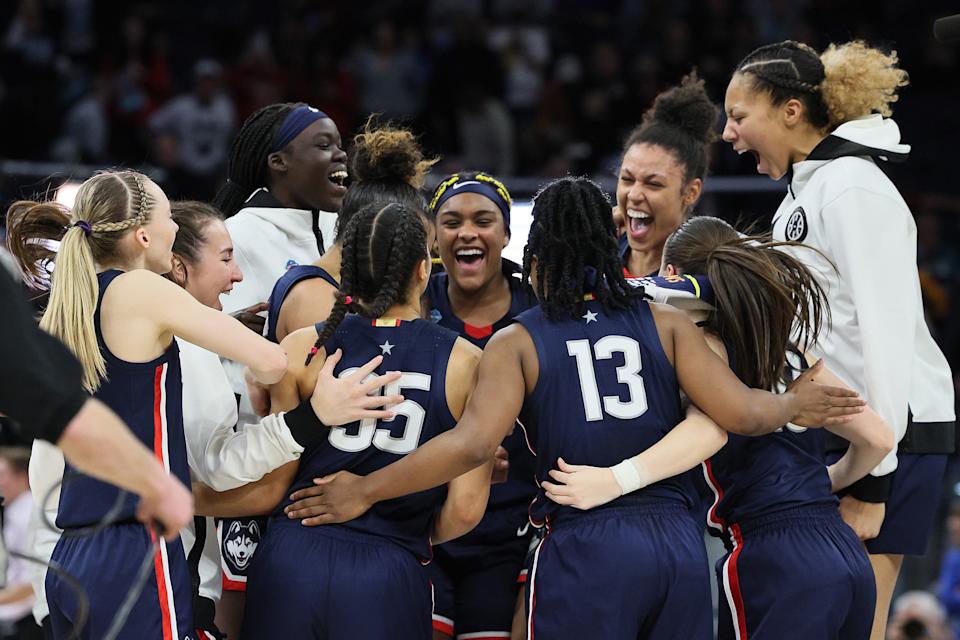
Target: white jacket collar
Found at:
x=873, y=137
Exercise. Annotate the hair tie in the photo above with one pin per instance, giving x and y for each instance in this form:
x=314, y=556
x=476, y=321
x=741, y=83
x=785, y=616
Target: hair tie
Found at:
x=83, y=224
x=347, y=300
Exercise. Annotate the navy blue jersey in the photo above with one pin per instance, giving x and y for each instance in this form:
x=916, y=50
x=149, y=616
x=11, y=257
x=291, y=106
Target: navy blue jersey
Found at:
x=442, y=313
x=147, y=397
x=519, y=487
x=757, y=476
x=623, y=248
x=606, y=391
x=281, y=289
x=421, y=351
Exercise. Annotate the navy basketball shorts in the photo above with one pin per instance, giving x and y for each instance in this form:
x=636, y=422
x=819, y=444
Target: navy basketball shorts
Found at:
x=475, y=587
x=106, y=566
x=239, y=539
x=799, y=573
x=333, y=583
x=912, y=504
x=637, y=571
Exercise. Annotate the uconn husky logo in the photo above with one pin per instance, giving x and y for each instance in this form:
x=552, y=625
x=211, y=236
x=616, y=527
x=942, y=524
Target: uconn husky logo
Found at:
x=240, y=542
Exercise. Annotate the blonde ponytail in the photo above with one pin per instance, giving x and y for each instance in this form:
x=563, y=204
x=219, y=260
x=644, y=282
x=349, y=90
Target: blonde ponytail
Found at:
x=73, y=301
x=859, y=80
x=107, y=206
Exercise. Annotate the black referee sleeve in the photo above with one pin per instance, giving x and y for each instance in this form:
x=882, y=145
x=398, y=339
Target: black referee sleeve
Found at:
x=40, y=380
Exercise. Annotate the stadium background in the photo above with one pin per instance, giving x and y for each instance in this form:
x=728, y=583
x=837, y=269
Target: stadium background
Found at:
x=525, y=89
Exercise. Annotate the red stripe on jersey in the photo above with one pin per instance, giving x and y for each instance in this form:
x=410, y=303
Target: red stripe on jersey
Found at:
x=443, y=627
x=718, y=490
x=478, y=333
x=162, y=587
x=386, y=322
x=741, y=621
x=158, y=413
x=232, y=585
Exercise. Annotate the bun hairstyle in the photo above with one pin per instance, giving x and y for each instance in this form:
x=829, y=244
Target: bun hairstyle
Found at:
x=762, y=293
x=845, y=82
x=107, y=206
x=682, y=120
x=386, y=165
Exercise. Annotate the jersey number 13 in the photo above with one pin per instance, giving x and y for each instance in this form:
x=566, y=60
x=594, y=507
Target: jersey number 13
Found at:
x=628, y=374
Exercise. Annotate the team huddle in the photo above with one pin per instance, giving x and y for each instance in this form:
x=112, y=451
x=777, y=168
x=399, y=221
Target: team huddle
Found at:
x=433, y=442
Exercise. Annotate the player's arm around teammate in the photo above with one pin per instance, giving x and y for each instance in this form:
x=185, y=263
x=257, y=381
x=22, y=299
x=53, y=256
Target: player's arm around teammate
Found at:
x=509, y=371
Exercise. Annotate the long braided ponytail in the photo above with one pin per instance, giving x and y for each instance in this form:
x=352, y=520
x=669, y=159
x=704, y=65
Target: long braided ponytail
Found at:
x=382, y=245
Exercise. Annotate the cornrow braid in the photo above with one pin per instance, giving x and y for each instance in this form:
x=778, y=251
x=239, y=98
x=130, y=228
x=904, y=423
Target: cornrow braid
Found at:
x=572, y=233
x=382, y=246
x=247, y=163
x=787, y=70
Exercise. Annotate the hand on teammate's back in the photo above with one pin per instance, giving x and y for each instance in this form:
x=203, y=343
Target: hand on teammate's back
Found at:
x=865, y=518
x=250, y=317
x=342, y=400
x=335, y=498
x=501, y=466
x=168, y=508
x=821, y=405
x=581, y=486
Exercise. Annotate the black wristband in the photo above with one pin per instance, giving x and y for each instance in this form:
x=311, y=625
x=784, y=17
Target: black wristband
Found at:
x=305, y=426
x=873, y=489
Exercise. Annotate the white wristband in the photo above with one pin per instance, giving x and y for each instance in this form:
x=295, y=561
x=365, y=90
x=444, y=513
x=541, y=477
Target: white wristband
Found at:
x=629, y=476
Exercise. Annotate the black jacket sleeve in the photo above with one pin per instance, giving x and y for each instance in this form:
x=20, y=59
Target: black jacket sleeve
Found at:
x=40, y=380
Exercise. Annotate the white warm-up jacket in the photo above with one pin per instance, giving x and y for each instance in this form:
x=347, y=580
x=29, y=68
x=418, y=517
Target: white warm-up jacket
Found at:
x=841, y=203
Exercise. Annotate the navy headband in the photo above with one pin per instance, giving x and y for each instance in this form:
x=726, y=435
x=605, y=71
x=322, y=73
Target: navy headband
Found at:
x=294, y=124
x=482, y=184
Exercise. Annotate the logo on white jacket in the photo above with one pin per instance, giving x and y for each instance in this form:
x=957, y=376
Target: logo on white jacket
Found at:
x=240, y=542
x=796, y=229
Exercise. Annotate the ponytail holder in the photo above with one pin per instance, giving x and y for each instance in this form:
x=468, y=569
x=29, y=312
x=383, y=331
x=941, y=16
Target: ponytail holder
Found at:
x=347, y=300
x=313, y=351
x=83, y=224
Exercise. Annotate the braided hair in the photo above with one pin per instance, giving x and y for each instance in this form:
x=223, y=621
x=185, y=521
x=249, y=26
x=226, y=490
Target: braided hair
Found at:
x=572, y=233
x=108, y=206
x=247, y=165
x=382, y=245
x=787, y=70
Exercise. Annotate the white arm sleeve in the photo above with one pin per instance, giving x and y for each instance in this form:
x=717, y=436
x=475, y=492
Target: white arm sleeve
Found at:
x=220, y=456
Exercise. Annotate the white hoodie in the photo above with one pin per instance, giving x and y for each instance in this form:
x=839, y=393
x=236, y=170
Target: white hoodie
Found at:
x=268, y=239
x=841, y=203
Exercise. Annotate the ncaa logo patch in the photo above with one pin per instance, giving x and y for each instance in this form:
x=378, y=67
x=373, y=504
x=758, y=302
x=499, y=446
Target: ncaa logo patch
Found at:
x=796, y=229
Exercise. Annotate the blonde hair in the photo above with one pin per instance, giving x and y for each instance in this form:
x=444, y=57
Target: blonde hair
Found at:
x=107, y=206
x=860, y=80
x=845, y=82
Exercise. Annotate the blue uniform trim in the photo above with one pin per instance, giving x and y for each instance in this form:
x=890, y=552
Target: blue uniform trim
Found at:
x=295, y=274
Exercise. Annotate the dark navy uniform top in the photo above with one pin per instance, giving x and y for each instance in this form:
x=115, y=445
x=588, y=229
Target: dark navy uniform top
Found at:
x=147, y=397
x=421, y=351
x=514, y=495
x=760, y=475
x=281, y=289
x=606, y=391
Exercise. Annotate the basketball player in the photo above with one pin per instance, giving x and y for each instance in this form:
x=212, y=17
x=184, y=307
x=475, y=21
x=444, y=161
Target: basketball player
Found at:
x=475, y=578
x=596, y=370
x=109, y=305
x=773, y=496
x=387, y=165
x=819, y=118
